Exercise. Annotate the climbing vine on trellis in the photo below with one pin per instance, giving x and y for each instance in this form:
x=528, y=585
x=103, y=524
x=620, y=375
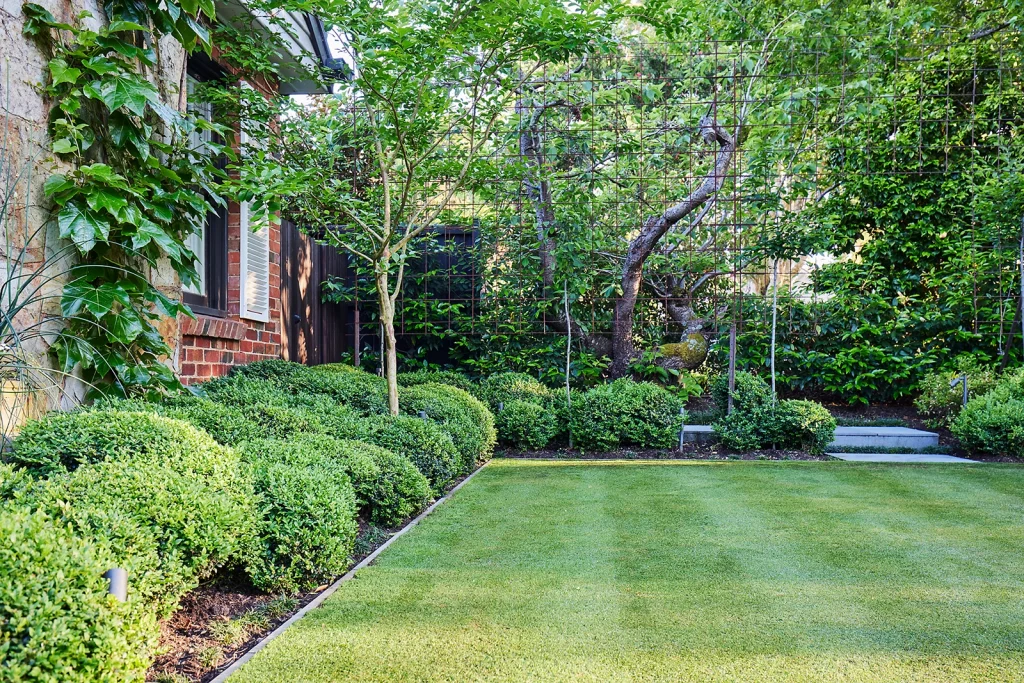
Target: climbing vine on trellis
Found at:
x=135, y=190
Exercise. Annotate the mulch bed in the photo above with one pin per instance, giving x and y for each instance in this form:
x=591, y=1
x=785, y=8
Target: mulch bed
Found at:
x=186, y=638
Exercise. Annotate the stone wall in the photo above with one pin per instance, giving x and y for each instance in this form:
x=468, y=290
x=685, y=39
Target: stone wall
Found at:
x=23, y=119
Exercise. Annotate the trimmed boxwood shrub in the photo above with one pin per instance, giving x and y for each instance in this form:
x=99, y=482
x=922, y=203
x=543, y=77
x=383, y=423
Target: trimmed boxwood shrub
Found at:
x=170, y=529
x=241, y=391
x=274, y=369
x=226, y=424
x=401, y=491
x=526, y=425
x=308, y=511
x=625, y=412
x=361, y=391
x=749, y=392
x=994, y=423
x=449, y=377
x=57, y=622
x=63, y=441
x=505, y=387
x=468, y=421
x=757, y=423
x=174, y=504
x=388, y=487
x=14, y=482
x=425, y=443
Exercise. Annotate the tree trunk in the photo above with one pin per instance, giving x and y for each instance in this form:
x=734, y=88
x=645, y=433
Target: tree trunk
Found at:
x=654, y=229
x=387, y=319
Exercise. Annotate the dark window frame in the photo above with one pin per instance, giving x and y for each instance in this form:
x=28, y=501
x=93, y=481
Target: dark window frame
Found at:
x=215, y=301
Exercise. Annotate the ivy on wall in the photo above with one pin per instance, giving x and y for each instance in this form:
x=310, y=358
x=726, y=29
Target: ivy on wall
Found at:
x=136, y=189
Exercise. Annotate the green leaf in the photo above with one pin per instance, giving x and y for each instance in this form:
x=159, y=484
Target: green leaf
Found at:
x=82, y=226
x=64, y=146
x=60, y=72
x=131, y=93
x=105, y=200
x=57, y=184
x=80, y=296
x=125, y=326
x=151, y=232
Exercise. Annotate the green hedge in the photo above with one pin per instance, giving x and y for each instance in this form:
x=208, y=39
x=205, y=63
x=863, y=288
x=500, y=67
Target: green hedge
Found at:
x=758, y=422
x=994, y=422
x=625, y=413
x=63, y=441
x=468, y=421
x=388, y=487
x=526, y=425
x=174, y=504
x=506, y=387
x=57, y=622
x=449, y=377
x=308, y=510
x=424, y=442
x=170, y=529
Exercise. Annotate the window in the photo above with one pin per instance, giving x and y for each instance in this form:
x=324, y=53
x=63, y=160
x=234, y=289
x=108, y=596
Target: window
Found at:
x=210, y=244
x=254, y=285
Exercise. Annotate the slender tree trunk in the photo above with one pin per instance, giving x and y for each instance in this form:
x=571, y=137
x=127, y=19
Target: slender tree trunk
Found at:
x=387, y=319
x=646, y=241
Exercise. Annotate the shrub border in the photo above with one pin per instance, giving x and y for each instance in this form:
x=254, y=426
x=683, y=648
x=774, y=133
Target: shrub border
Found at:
x=329, y=591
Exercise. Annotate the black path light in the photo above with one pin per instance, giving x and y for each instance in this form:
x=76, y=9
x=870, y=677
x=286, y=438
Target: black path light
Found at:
x=962, y=379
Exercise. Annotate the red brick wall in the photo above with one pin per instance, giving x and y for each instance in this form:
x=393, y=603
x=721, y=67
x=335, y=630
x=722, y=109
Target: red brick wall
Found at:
x=210, y=346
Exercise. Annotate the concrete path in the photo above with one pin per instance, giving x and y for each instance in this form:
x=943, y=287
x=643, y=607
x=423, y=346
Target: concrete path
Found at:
x=898, y=457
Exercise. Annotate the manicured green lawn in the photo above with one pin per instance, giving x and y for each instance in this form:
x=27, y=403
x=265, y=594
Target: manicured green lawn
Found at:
x=736, y=571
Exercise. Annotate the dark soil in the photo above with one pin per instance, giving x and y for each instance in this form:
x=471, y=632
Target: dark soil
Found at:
x=187, y=639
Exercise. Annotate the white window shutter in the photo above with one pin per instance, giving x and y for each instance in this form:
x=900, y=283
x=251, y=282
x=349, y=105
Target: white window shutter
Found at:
x=254, y=283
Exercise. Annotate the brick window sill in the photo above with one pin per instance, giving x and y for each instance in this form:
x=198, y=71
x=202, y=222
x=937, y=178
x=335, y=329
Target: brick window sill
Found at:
x=216, y=328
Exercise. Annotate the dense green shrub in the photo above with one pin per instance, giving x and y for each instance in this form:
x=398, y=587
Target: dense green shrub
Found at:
x=526, y=425
x=749, y=392
x=625, y=412
x=424, y=442
x=14, y=482
x=57, y=622
x=940, y=403
x=592, y=420
x=994, y=423
x=63, y=441
x=240, y=391
x=449, y=377
x=468, y=421
x=226, y=424
x=174, y=504
x=789, y=424
x=307, y=515
x=401, y=491
x=275, y=369
x=505, y=387
x=804, y=425
x=361, y=391
x=388, y=487
x=169, y=528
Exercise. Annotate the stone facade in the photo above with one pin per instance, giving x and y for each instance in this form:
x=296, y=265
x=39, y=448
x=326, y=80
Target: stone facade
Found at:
x=205, y=347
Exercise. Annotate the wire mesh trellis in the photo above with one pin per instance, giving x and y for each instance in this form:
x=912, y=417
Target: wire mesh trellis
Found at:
x=870, y=200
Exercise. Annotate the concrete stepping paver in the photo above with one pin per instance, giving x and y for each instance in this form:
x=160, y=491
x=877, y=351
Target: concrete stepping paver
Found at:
x=899, y=457
x=885, y=437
